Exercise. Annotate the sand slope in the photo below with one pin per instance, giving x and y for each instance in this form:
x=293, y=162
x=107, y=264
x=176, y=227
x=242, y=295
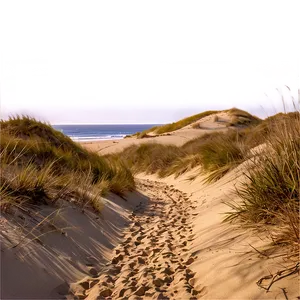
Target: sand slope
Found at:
x=40, y=260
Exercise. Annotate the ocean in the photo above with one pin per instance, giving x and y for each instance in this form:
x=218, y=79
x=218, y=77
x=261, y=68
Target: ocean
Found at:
x=80, y=133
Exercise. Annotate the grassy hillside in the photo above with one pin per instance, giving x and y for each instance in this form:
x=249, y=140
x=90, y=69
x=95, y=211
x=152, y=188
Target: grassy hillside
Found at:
x=238, y=118
x=41, y=165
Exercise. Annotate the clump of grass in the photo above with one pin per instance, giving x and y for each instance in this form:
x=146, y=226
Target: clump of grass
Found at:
x=142, y=135
x=122, y=180
x=193, y=146
x=196, y=125
x=242, y=118
x=182, y=165
x=270, y=193
x=220, y=154
x=38, y=165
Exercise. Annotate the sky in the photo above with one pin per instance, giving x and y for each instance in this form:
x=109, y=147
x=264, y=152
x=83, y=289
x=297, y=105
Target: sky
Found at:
x=130, y=90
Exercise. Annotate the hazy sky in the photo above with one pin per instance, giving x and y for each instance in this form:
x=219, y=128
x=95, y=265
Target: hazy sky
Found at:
x=65, y=90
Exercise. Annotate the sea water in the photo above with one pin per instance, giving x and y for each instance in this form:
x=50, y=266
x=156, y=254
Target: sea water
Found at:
x=80, y=133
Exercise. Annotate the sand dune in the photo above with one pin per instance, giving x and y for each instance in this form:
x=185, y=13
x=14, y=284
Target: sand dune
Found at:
x=178, y=137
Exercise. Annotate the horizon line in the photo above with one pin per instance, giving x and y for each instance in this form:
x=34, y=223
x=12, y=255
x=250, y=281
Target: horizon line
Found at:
x=108, y=123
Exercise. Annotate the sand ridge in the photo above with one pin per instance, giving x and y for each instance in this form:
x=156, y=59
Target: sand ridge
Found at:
x=154, y=260
x=177, y=137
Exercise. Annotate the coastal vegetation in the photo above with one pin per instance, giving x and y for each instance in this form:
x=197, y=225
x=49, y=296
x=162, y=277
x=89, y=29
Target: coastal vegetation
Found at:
x=40, y=165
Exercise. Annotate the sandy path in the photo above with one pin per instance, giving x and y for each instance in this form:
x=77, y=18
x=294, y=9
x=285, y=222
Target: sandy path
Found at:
x=153, y=261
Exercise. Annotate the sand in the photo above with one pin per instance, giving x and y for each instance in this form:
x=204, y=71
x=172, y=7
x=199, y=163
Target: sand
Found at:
x=165, y=241
x=40, y=261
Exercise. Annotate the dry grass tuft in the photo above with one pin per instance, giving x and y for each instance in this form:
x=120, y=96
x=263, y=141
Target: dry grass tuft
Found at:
x=242, y=118
x=271, y=192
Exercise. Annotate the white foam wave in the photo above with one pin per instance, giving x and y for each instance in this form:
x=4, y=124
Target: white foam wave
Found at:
x=97, y=138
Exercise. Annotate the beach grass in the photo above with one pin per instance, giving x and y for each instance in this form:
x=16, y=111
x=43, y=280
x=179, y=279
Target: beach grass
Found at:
x=149, y=157
x=270, y=191
x=39, y=165
x=215, y=153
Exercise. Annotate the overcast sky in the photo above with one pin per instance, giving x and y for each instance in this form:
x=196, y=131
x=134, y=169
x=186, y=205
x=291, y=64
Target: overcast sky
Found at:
x=102, y=90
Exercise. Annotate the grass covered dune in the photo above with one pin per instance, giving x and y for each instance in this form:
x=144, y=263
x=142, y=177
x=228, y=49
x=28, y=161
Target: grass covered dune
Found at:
x=269, y=153
x=40, y=164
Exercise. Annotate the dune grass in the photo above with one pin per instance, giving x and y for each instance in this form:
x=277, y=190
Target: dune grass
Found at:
x=149, y=157
x=216, y=153
x=270, y=193
x=40, y=165
x=221, y=154
x=242, y=118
